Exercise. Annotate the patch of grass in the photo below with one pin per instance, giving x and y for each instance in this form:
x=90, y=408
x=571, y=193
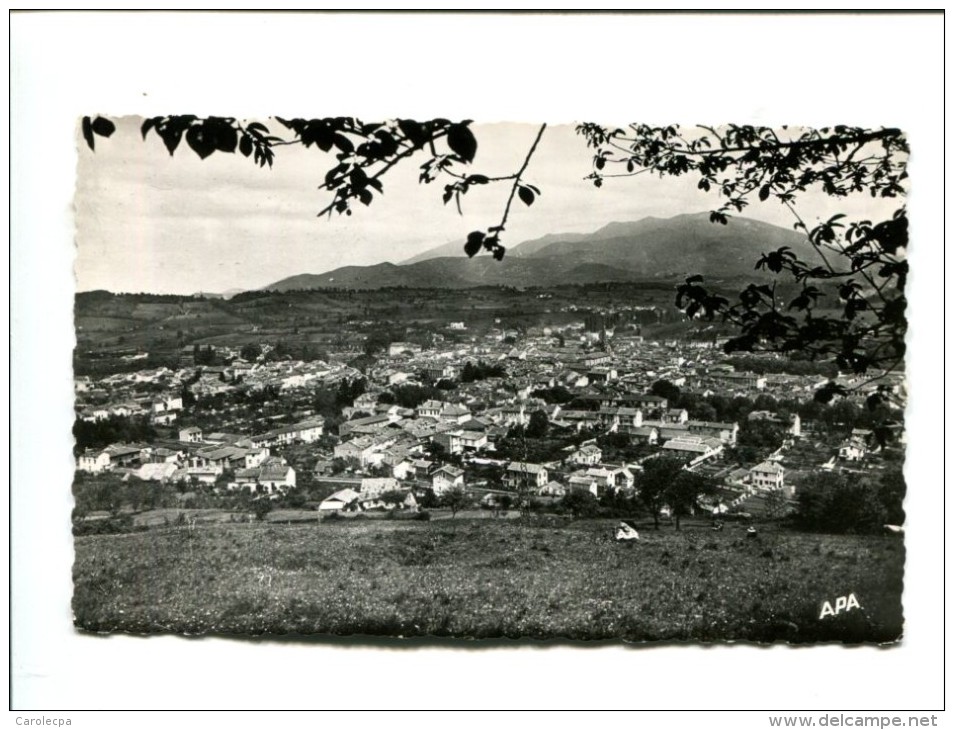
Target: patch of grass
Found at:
x=488, y=578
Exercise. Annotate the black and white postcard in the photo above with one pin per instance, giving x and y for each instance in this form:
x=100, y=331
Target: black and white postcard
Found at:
x=429, y=377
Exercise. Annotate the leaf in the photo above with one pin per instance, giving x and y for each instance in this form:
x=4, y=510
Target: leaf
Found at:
x=245, y=145
x=171, y=136
x=343, y=143
x=257, y=125
x=147, y=125
x=414, y=131
x=475, y=240
x=103, y=127
x=225, y=138
x=199, y=141
x=499, y=252
x=462, y=141
x=526, y=195
x=764, y=192
x=88, y=133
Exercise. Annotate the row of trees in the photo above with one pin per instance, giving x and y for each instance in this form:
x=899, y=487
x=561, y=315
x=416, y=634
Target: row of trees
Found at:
x=481, y=371
x=114, y=429
x=843, y=503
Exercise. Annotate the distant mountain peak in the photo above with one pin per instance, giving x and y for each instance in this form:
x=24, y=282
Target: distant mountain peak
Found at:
x=649, y=249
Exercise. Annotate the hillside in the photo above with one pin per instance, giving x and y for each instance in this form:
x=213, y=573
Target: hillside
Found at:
x=680, y=245
x=644, y=250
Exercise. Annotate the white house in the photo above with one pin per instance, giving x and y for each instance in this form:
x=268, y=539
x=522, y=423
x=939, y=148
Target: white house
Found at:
x=768, y=475
x=403, y=348
x=338, y=501
x=192, y=435
x=583, y=483
x=93, y=461
x=430, y=409
x=447, y=478
x=157, y=471
x=272, y=475
x=373, y=487
x=455, y=414
x=587, y=455
x=522, y=474
x=612, y=477
x=629, y=418
x=677, y=415
x=472, y=440
x=725, y=432
x=165, y=419
x=697, y=448
x=853, y=449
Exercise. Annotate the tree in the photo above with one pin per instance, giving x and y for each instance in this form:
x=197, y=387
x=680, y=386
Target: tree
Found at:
x=761, y=434
x=849, y=303
x=665, y=389
x=842, y=503
x=703, y=412
x=394, y=497
x=861, y=263
x=891, y=491
x=250, y=351
x=776, y=505
x=455, y=500
x=376, y=342
x=684, y=493
x=261, y=507
x=428, y=500
x=538, y=426
x=581, y=504
x=652, y=484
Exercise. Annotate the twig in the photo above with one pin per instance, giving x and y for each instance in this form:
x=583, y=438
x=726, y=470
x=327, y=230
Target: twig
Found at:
x=516, y=182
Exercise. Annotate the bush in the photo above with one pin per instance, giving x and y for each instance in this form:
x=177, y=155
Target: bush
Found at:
x=841, y=503
x=580, y=504
x=295, y=499
x=110, y=526
x=261, y=507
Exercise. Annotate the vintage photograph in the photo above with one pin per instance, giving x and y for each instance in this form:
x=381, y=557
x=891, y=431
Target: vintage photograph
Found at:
x=445, y=378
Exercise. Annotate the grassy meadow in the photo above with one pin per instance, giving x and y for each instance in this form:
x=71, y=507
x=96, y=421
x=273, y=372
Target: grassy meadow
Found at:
x=488, y=578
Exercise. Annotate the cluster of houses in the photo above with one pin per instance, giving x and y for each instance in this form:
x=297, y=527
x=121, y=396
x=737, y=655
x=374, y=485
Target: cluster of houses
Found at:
x=205, y=458
x=434, y=445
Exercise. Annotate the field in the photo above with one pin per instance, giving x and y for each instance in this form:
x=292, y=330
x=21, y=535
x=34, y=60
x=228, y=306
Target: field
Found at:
x=487, y=578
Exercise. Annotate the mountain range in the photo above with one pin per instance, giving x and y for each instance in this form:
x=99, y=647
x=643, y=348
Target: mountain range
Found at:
x=645, y=250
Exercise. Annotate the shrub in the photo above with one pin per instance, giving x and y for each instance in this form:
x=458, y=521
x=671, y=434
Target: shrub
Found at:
x=839, y=503
x=261, y=508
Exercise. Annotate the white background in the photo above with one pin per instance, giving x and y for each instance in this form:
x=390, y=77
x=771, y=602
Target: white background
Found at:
x=813, y=70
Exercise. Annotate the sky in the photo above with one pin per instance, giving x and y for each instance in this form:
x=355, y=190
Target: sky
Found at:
x=148, y=221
